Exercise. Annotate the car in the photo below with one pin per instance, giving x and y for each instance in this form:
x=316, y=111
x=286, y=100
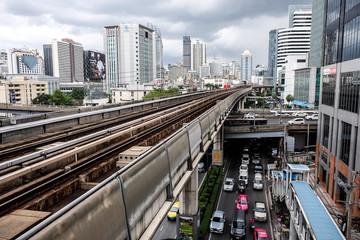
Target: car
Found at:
x=256, y=159
x=201, y=167
x=260, y=211
x=173, y=211
x=258, y=183
x=258, y=168
x=282, y=114
x=299, y=114
x=296, y=121
x=229, y=184
x=251, y=115
x=312, y=117
x=238, y=225
x=242, y=203
x=243, y=176
x=260, y=234
x=243, y=167
x=245, y=159
x=217, y=222
x=245, y=150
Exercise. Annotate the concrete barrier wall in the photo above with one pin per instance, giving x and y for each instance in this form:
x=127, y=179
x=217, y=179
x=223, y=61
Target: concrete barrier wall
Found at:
x=102, y=214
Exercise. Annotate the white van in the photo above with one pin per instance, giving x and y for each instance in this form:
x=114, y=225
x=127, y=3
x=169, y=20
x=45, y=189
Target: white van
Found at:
x=244, y=176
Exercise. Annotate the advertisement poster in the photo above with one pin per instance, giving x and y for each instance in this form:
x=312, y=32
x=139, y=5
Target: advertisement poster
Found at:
x=96, y=66
x=217, y=157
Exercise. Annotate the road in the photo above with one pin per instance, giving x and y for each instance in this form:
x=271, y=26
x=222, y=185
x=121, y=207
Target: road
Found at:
x=227, y=199
x=167, y=228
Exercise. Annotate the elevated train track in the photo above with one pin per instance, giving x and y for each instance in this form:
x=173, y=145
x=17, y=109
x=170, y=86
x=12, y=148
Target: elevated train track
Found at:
x=51, y=182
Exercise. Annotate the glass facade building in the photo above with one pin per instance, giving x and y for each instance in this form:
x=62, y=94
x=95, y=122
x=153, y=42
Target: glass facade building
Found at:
x=272, y=53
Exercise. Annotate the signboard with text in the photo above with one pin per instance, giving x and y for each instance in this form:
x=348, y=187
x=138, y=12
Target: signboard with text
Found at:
x=217, y=157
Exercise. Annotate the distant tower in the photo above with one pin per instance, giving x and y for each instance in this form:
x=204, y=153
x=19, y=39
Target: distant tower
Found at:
x=198, y=55
x=24, y=61
x=246, y=66
x=48, y=59
x=187, y=51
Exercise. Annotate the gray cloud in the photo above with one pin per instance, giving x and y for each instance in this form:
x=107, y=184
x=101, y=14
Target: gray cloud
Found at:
x=228, y=27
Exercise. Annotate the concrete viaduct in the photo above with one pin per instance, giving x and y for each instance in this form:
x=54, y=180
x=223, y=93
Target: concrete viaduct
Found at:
x=131, y=203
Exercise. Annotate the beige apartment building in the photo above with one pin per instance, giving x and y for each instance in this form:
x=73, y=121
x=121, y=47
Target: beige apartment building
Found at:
x=21, y=90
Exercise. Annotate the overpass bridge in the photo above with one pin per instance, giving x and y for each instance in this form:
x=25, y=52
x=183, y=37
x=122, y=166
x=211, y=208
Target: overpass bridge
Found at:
x=131, y=203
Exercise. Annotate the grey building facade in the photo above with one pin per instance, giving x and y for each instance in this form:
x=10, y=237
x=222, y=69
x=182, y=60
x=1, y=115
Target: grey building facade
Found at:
x=187, y=52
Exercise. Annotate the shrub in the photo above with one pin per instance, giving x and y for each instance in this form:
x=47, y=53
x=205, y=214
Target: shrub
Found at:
x=203, y=199
x=211, y=184
x=206, y=195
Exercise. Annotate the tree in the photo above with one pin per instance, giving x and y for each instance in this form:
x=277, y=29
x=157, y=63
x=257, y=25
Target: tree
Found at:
x=159, y=92
x=290, y=98
x=59, y=98
x=42, y=99
x=78, y=93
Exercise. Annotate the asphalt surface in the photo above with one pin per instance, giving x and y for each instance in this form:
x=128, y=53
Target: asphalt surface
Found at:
x=167, y=228
x=227, y=199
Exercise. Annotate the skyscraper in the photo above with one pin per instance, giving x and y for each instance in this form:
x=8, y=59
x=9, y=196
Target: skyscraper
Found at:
x=296, y=38
x=198, y=55
x=24, y=61
x=68, y=60
x=130, y=54
x=317, y=30
x=187, y=51
x=48, y=59
x=246, y=66
x=338, y=142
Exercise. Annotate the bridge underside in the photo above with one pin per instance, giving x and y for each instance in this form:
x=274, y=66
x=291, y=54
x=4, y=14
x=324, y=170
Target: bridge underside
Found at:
x=254, y=135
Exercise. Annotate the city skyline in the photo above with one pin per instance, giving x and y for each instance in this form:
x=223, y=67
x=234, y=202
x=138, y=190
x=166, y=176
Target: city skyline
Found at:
x=237, y=26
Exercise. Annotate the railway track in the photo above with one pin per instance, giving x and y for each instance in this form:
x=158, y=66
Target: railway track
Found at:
x=48, y=184
x=19, y=148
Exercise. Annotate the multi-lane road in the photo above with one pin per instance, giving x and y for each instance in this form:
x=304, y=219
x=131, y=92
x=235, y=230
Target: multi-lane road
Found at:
x=227, y=199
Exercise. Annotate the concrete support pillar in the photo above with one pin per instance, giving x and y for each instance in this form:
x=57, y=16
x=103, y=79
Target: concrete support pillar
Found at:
x=189, y=201
x=292, y=232
x=219, y=140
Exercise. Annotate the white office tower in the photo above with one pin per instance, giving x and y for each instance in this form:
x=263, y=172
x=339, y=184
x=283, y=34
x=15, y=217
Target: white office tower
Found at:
x=198, y=55
x=296, y=38
x=68, y=60
x=204, y=70
x=3, y=63
x=24, y=61
x=246, y=66
x=130, y=54
x=215, y=68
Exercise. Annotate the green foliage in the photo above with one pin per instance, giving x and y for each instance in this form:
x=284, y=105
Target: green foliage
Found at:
x=159, y=92
x=57, y=98
x=290, y=98
x=206, y=211
x=78, y=93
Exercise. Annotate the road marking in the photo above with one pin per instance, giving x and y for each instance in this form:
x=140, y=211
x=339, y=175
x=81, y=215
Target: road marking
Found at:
x=161, y=228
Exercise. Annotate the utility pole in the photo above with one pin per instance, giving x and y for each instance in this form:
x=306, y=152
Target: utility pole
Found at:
x=350, y=207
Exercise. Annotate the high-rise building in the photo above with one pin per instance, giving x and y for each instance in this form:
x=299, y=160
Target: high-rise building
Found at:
x=272, y=54
x=67, y=60
x=317, y=30
x=187, y=51
x=130, y=54
x=338, y=135
x=296, y=38
x=3, y=63
x=198, y=55
x=158, y=51
x=48, y=59
x=246, y=66
x=24, y=61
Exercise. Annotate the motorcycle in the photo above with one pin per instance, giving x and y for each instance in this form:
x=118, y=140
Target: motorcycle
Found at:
x=252, y=224
x=241, y=187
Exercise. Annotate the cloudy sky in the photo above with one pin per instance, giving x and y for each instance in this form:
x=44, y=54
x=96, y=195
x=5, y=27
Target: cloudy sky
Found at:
x=228, y=27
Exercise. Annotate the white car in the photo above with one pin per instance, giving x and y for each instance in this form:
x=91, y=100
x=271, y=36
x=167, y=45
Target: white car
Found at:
x=300, y=114
x=244, y=177
x=312, y=117
x=282, y=114
x=243, y=167
x=245, y=159
x=258, y=183
x=229, y=184
x=296, y=121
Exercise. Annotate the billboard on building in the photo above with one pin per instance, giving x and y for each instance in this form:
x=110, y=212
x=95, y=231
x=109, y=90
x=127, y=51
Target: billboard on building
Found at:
x=96, y=66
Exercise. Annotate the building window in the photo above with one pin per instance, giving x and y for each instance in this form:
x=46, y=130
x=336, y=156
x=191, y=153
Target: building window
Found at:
x=345, y=142
x=132, y=94
x=349, y=91
x=328, y=86
x=326, y=129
